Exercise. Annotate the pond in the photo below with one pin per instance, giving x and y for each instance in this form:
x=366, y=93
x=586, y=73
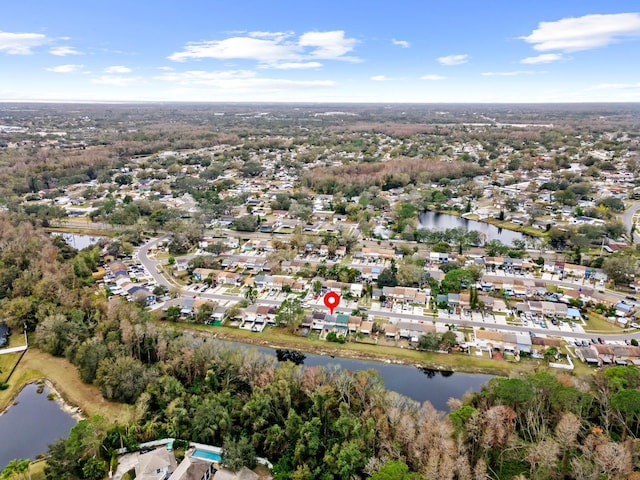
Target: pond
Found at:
x=31, y=424
x=77, y=240
x=443, y=221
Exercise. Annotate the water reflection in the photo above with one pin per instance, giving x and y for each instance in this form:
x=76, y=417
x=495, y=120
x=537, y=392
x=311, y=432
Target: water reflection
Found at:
x=413, y=382
x=31, y=424
x=442, y=221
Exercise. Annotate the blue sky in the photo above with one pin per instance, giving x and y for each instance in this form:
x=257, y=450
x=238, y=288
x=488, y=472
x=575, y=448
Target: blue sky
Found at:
x=320, y=51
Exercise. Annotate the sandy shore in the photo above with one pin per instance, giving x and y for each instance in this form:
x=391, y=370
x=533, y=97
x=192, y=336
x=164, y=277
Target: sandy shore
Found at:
x=73, y=411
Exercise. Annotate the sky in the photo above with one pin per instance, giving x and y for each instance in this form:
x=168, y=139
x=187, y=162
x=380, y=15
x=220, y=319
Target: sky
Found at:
x=392, y=51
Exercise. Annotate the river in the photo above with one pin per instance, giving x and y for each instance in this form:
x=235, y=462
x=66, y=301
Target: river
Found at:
x=443, y=221
x=31, y=424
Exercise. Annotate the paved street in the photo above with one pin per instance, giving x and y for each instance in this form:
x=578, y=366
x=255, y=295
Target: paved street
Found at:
x=414, y=315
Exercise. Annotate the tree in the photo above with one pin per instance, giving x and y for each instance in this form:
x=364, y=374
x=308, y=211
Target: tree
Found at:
x=289, y=313
x=394, y=470
x=123, y=379
x=316, y=287
x=246, y=223
x=251, y=294
x=619, y=268
x=16, y=469
x=627, y=403
x=173, y=313
x=493, y=248
x=455, y=280
x=94, y=469
x=204, y=313
x=429, y=341
x=387, y=278
x=238, y=453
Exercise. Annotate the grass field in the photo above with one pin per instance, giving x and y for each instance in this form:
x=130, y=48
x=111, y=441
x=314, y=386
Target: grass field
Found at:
x=597, y=323
x=280, y=338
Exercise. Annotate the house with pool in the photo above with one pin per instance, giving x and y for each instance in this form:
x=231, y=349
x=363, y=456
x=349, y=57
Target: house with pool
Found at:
x=156, y=461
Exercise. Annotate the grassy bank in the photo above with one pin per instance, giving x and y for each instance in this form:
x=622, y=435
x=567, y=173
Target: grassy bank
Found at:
x=37, y=365
x=280, y=338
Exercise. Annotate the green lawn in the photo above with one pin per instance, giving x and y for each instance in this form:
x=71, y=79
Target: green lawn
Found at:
x=597, y=323
x=281, y=338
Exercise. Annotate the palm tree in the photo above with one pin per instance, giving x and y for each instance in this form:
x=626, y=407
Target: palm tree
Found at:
x=16, y=468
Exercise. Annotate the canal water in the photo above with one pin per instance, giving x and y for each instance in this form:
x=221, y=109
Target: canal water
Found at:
x=416, y=383
x=31, y=424
x=442, y=221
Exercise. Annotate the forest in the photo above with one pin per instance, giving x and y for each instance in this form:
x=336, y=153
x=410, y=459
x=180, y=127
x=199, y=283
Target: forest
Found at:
x=312, y=423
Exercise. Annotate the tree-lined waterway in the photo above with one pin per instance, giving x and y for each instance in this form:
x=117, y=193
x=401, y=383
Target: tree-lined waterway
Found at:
x=418, y=384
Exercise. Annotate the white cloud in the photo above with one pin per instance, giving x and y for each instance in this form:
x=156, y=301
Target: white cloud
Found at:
x=279, y=36
x=237, y=80
x=583, y=33
x=330, y=45
x=65, y=68
x=451, y=60
x=380, y=78
x=433, y=77
x=507, y=74
x=63, y=51
x=237, y=48
x=166, y=69
x=272, y=48
x=614, y=86
x=117, y=81
x=400, y=43
x=117, y=69
x=542, y=58
x=20, y=43
x=294, y=65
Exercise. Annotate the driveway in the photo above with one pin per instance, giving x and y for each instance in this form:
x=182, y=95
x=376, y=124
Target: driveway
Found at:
x=125, y=463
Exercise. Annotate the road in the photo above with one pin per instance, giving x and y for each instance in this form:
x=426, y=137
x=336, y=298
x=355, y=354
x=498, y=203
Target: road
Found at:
x=152, y=264
x=631, y=217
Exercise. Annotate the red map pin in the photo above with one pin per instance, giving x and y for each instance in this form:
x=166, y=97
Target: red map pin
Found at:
x=331, y=301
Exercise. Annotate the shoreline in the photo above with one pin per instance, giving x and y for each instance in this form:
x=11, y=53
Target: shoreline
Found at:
x=350, y=354
x=73, y=411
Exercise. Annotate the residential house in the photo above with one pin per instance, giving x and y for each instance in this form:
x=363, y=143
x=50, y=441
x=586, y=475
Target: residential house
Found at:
x=354, y=323
x=193, y=468
x=243, y=474
x=624, y=310
x=157, y=464
x=391, y=331
x=200, y=274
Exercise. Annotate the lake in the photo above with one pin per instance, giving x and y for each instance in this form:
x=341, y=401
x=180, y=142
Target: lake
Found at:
x=443, y=221
x=31, y=424
x=77, y=240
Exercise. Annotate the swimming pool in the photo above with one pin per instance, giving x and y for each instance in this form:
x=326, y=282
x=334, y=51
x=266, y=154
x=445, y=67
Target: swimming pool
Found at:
x=206, y=455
